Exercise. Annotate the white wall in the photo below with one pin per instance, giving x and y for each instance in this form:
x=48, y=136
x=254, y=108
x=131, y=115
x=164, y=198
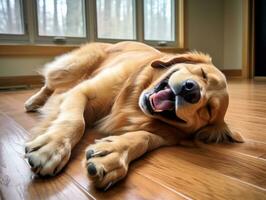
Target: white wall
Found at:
x=232, y=34
x=204, y=30
x=21, y=66
x=215, y=27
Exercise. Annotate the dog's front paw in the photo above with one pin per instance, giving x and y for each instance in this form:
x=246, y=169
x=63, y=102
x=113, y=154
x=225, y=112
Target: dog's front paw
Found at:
x=47, y=155
x=107, y=161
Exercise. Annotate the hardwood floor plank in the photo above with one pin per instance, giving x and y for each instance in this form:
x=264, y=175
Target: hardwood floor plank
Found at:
x=251, y=148
x=193, y=180
x=12, y=103
x=230, y=163
x=247, y=130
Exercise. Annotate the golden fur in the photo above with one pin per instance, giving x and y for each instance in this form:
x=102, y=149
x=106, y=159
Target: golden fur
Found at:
x=105, y=85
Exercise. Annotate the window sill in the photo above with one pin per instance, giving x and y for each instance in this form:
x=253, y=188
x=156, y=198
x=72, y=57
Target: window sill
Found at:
x=172, y=49
x=34, y=50
x=54, y=50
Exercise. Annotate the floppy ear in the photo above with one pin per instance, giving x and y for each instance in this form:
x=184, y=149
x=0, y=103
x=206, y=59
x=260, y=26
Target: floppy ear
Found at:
x=218, y=133
x=190, y=57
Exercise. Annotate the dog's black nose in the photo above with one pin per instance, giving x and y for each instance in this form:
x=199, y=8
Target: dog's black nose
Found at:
x=189, y=90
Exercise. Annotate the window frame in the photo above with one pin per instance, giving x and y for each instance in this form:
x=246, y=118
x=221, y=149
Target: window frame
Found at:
x=175, y=18
x=31, y=27
x=18, y=38
x=112, y=40
x=52, y=39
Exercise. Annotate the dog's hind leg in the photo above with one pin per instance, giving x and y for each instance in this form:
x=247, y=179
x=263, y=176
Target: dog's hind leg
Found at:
x=66, y=71
x=38, y=99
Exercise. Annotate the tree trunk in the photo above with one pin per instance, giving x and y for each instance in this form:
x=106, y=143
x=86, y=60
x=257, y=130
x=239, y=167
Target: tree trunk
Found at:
x=9, y=18
x=74, y=18
x=56, y=25
x=44, y=17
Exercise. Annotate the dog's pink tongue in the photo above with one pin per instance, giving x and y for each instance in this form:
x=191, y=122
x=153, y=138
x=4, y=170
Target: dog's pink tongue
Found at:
x=161, y=100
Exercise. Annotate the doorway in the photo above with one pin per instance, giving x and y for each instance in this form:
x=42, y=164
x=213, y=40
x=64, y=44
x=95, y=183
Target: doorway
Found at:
x=260, y=38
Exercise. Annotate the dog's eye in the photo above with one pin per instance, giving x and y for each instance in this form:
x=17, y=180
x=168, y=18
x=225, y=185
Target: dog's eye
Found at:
x=204, y=75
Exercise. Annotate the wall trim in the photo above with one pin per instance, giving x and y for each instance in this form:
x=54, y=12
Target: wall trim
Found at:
x=232, y=72
x=34, y=50
x=260, y=78
x=21, y=80
x=55, y=50
x=246, y=34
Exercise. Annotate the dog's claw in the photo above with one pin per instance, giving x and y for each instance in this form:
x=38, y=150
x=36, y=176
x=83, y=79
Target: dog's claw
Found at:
x=31, y=163
x=55, y=171
x=27, y=150
x=97, y=140
x=89, y=154
x=108, y=186
x=100, y=153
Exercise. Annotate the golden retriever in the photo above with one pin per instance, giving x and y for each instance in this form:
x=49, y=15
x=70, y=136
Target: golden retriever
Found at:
x=142, y=97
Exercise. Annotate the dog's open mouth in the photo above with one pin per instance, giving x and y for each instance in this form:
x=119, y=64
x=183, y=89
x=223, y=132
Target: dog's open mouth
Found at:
x=164, y=100
x=161, y=101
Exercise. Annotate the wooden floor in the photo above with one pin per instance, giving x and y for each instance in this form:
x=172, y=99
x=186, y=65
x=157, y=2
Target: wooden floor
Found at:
x=221, y=171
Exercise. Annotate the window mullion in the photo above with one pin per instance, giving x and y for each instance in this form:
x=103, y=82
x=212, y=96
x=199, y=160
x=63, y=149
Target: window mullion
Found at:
x=31, y=20
x=139, y=20
x=180, y=24
x=91, y=20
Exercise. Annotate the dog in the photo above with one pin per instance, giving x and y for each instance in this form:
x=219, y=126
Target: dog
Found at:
x=137, y=96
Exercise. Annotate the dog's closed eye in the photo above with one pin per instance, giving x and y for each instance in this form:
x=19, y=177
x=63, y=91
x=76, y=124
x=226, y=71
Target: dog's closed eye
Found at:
x=204, y=74
x=209, y=109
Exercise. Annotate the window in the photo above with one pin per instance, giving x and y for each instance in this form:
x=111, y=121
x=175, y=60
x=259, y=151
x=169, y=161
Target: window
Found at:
x=155, y=22
x=11, y=17
x=159, y=20
x=61, y=18
x=116, y=19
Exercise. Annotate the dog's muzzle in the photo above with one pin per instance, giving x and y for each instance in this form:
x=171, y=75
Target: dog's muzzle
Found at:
x=166, y=98
x=189, y=90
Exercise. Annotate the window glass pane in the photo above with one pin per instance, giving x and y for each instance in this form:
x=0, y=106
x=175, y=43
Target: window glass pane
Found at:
x=61, y=18
x=11, y=21
x=116, y=19
x=159, y=20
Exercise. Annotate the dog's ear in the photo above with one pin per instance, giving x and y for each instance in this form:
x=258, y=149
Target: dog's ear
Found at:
x=218, y=133
x=191, y=57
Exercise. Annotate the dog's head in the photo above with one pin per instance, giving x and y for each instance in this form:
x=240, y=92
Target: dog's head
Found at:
x=190, y=93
